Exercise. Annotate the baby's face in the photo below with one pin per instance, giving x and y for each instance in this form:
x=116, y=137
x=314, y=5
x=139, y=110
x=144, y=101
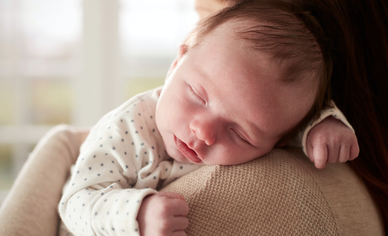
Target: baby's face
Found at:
x=225, y=104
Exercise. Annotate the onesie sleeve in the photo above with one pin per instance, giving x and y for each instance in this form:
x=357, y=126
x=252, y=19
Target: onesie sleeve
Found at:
x=101, y=197
x=300, y=140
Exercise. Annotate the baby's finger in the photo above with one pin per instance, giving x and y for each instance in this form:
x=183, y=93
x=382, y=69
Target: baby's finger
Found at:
x=354, y=152
x=333, y=154
x=320, y=155
x=179, y=223
x=344, y=154
x=175, y=202
x=171, y=195
x=309, y=150
x=179, y=208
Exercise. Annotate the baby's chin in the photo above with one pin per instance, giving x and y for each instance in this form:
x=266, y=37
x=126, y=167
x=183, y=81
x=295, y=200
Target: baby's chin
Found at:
x=177, y=156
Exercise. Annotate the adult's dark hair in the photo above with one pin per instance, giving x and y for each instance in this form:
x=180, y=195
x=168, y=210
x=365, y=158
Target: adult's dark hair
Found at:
x=354, y=34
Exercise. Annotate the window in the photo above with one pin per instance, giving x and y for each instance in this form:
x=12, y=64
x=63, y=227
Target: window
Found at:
x=71, y=61
x=39, y=44
x=150, y=47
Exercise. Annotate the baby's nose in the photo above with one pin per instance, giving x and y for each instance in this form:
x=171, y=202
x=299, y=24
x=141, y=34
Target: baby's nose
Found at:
x=204, y=130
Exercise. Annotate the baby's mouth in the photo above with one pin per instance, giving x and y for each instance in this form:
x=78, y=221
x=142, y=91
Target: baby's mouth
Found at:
x=189, y=153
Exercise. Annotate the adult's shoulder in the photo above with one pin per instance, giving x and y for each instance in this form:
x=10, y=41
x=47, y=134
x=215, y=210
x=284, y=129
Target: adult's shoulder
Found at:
x=281, y=193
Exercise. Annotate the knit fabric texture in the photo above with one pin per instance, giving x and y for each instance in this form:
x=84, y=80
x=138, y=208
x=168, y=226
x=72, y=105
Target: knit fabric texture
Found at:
x=272, y=195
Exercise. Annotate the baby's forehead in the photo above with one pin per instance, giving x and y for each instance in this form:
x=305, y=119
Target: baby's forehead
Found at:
x=259, y=63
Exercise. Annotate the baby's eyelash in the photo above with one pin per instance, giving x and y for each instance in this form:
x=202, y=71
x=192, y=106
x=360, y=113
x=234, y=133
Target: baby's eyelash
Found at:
x=196, y=95
x=242, y=138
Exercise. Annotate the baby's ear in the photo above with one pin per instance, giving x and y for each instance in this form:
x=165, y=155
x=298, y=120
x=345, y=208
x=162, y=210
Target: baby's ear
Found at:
x=182, y=50
x=181, y=53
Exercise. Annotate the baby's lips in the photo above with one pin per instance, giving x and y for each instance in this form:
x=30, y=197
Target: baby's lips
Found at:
x=196, y=152
x=188, y=152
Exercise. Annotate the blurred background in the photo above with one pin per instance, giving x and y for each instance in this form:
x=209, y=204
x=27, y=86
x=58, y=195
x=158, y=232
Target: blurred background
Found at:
x=71, y=61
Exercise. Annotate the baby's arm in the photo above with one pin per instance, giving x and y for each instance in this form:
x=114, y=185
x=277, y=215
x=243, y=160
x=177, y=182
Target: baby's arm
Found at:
x=330, y=139
x=100, y=199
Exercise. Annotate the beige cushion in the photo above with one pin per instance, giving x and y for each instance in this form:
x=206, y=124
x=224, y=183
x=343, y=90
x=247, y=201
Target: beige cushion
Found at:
x=281, y=193
x=31, y=205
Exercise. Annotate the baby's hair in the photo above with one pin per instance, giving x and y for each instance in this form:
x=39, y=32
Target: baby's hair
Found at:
x=276, y=30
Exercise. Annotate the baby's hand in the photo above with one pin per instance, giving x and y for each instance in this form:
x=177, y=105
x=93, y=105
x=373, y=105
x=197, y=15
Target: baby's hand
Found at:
x=331, y=141
x=163, y=214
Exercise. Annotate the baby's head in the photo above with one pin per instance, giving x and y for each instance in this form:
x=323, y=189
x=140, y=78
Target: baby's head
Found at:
x=245, y=79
